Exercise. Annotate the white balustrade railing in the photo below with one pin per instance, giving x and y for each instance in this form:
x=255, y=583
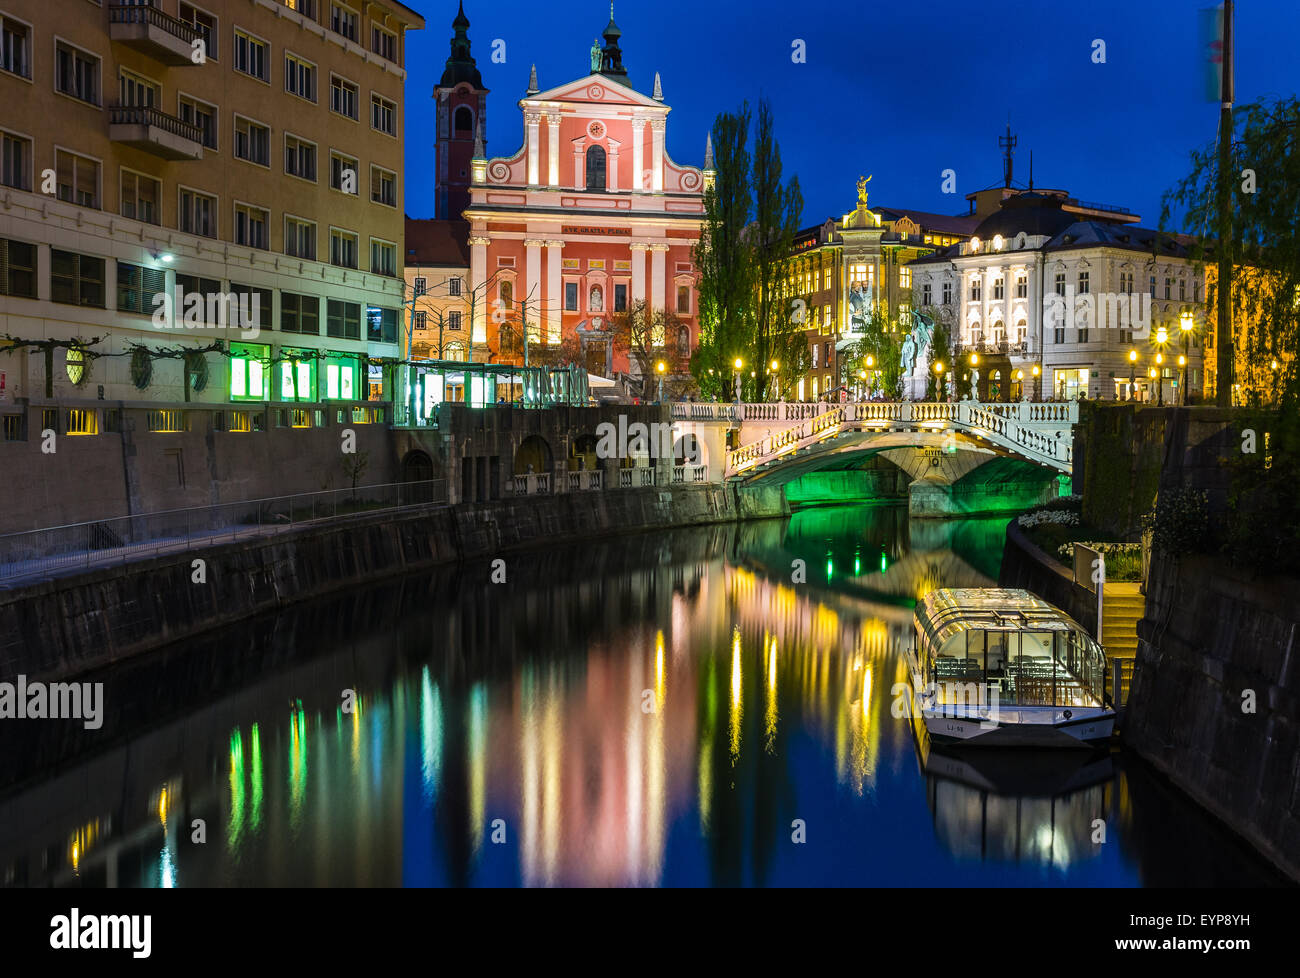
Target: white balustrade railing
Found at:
x=1040, y=432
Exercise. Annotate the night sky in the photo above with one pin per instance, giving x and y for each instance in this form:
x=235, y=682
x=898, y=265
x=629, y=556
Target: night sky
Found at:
x=900, y=90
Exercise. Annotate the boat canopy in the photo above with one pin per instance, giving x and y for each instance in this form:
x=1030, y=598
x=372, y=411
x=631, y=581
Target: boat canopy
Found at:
x=949, y=612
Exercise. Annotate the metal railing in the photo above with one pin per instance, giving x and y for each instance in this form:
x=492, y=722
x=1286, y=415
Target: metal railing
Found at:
x=82, y=546
x=148, y=115
x=131, y=13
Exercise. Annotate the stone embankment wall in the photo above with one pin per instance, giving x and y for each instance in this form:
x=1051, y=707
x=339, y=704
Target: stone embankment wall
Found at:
x=1215, y=638
x=68, y=625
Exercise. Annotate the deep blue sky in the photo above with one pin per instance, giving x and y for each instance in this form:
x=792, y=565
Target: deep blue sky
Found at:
x=900, y=89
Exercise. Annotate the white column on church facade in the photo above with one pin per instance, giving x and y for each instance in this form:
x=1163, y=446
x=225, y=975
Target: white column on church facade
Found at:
x=553, y=148
x=611, y=173
x=532, y=125
x=658, y=283
x=657, y=156
x=638, y=270
x=478, y=287
x=579, y=177
x=554, y=290
x=638, y=154
x=532, y=296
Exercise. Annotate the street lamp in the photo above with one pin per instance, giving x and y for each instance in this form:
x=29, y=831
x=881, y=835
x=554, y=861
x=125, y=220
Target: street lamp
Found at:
x=1132, y=373
x=1160, y=368
x=661, y=368
x=1185, y=324
x=739, y=364
x=774, y=369
x=1037, y=388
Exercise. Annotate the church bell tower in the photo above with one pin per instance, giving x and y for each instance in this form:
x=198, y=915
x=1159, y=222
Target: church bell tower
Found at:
x=462, y=115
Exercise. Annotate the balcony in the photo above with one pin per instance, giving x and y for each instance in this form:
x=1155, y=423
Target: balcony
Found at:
x=153, y=33
x=154, y=131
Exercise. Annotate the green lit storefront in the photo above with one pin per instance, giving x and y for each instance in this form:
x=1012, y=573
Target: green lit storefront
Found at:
x=257, y=373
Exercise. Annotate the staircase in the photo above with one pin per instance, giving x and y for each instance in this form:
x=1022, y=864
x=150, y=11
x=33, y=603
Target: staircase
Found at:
x=1123, y=605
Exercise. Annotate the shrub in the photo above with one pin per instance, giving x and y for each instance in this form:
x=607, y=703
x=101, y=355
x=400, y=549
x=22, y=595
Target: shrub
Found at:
x=1180, y=522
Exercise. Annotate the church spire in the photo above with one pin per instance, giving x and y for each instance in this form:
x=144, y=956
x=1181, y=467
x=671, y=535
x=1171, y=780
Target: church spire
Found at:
x=611, y=57
x=658, y=95
x=460, y=65
x=532, y=82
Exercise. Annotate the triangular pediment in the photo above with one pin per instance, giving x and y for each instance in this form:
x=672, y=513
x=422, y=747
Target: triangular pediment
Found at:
x=597, y=89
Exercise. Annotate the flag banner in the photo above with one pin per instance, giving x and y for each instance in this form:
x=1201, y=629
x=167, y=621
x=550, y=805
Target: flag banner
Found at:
x=1212, y=48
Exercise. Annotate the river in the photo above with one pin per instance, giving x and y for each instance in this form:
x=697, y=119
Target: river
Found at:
x=704, y=707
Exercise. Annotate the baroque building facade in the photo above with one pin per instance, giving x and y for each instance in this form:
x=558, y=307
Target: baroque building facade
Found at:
x=589, y=217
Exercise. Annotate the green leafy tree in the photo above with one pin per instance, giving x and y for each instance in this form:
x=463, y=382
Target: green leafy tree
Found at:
x=725, y=279
x=1263, y=242
x=936, y=385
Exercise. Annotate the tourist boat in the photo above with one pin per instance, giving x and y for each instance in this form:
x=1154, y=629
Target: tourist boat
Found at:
x=998, y=667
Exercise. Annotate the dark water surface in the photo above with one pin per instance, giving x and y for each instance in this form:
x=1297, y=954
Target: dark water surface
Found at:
x=656, y=709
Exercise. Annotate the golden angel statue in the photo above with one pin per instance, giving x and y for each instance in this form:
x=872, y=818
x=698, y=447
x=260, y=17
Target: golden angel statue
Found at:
x=862, y=190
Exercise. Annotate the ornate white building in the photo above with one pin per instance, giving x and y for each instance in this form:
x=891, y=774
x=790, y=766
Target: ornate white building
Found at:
x=1053, y=305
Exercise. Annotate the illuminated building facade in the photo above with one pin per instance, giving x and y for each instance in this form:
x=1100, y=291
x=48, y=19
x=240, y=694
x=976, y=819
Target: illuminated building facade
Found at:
x=588, y=218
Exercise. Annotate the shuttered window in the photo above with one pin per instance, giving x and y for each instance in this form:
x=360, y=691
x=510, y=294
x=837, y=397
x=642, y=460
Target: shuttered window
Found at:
x=17, y=269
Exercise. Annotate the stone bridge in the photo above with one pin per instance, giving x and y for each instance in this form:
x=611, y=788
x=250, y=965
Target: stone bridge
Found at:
x=1020, y=451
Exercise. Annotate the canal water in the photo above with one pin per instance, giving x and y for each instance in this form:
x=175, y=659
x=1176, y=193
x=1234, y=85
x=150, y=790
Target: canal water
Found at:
x=708, y=706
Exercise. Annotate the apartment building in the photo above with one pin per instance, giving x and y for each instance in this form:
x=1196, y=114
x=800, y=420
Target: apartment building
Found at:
x=201, y=201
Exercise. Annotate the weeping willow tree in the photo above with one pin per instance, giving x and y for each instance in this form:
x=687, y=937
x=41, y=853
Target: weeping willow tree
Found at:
x=1263, y=244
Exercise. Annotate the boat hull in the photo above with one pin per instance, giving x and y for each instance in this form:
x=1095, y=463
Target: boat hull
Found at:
x=1085, y=731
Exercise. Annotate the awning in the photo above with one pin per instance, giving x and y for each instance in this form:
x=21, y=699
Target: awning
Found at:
x=595, y=381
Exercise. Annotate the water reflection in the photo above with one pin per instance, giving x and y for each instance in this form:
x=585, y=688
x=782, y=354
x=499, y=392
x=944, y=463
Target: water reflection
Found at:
x=663, y=709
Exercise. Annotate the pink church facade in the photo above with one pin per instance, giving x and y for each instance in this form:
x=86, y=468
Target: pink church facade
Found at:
x=588, y=217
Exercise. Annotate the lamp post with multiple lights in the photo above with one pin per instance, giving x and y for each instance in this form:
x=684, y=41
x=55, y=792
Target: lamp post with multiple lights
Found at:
x=1132, y=373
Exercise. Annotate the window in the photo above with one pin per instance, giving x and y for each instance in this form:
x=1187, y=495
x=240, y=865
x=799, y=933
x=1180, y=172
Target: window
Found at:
x=421, y=322
x=905, y=278
x=595, y=168
x=463, y=121
x=571, y=296
x=299, y=238
x=343, y=319
x=1022, y=286
x=248, y=369
x=1169, y=288
x=76, y=73
x=1153, y=286
x=17, y=269
x=383, y=43
x=976, y=290
x=208, y=290
x=15, y=161
x=299, y=158
x=1126, y=282
x=77, y=178
x=343, y=97
x=453, y=319
x=252, y=56
x=381, y=325
x=297, y=375
x=1058, y=334
x=137, y=287
x=620, y=298
x=684, y=299
x=141, y=197
x=926, y=294
x=15, y=47
x=205, y=24
x=253, y=307
x=997, y=288
x=252, y=226
x=1083, y=283
x=947, y=293
x=1060, y=283
x=383, y=257
x=1182, y=289
x=383, y=114
x=200, y=114
x=341, y=377
x=1083, y=336
x=421, y=285
x=343, y=248
x=344, y=21
x=453, y=285
x=137, y=90
x=252, y=141
x=383, y=186
x=343, y=174
x=299, y=313
x=198, y=213
x=77, y=280
x=299, y=77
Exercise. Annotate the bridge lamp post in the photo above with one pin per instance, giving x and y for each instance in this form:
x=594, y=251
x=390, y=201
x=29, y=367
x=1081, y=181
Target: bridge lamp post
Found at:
x=739, y=365
x=774, y=369
x=660, y=369
x=974, y=365
x=1185, y=324
x=1132, y=373
x=1020, y=379
x=938, y=372
x=1151, y=374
